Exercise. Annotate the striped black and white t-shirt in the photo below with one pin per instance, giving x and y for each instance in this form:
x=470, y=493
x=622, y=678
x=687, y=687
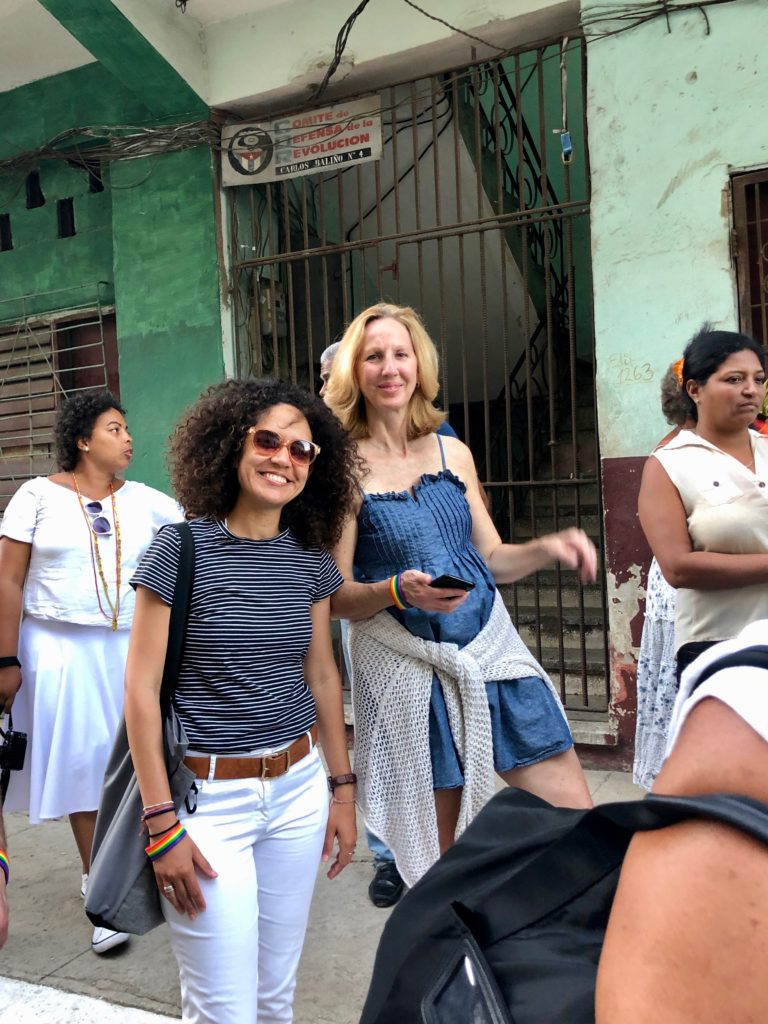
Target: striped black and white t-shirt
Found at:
x=241, y=685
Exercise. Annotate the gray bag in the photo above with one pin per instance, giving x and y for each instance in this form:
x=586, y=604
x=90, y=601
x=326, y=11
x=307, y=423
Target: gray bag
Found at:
x=122, y=891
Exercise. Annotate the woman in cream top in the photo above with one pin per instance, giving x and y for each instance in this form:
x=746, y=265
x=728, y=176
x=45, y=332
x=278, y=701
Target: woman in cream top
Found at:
x=704, y=496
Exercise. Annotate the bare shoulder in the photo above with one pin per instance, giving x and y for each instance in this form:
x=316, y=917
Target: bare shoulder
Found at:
x=655, y=473
x=456, y=449
x=459, y=459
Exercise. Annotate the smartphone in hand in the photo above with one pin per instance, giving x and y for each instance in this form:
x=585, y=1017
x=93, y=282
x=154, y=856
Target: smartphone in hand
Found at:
x=448, y=582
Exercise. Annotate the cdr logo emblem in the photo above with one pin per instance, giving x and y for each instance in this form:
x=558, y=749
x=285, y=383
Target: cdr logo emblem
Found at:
x=250, y=150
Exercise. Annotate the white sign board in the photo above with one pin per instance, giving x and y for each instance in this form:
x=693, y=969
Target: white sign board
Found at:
x=317, y=140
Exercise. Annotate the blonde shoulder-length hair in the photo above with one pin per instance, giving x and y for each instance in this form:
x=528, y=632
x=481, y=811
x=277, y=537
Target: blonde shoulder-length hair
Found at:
x=343, y=392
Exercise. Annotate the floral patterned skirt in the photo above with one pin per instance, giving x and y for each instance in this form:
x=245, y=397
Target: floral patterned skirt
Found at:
x=656, y=678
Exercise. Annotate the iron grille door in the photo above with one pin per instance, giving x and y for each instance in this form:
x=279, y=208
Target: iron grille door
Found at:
x=472, y=217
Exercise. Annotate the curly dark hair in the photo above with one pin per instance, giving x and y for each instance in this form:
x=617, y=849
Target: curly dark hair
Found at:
x=74, y=422
x=207, y=443
x=707, y=350
x=674, y=401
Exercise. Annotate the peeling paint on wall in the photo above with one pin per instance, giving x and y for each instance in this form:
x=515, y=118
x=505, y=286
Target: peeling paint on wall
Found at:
x=623, y=606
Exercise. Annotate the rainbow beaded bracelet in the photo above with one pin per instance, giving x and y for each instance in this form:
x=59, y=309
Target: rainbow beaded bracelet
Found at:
x=155, y=850
x=5, y=865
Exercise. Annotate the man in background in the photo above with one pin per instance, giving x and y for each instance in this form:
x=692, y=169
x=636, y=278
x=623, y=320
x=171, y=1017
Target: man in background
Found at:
x=387, y=886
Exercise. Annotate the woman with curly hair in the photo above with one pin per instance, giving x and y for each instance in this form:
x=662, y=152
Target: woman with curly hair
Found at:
x=445, y=691
x=266, y=472
x=70, y=544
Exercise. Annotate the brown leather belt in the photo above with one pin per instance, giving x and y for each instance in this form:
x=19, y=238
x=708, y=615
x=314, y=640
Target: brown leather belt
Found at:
x=271, y=766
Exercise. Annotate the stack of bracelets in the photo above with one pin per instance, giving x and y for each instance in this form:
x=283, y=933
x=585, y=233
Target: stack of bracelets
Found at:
x=396, y=592
x=5, y=865
x=166, y=843
x=164, y=840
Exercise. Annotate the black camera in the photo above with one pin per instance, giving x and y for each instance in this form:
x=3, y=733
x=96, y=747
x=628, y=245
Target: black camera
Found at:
x=13, y=749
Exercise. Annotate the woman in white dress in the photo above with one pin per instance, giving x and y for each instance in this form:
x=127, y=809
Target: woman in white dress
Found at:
x=656, y=666
x=69, y=544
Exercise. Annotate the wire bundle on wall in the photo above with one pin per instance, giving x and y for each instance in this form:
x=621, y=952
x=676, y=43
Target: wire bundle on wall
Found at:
x=122, y=142
x=338, y=53
x=633, y=15
x=129, y=142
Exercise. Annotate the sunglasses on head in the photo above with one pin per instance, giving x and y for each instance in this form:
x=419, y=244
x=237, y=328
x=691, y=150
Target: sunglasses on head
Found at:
x=267, y=442
x=100, y=525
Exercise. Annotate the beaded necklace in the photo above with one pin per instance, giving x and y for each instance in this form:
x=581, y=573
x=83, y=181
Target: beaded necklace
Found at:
x=114, y=607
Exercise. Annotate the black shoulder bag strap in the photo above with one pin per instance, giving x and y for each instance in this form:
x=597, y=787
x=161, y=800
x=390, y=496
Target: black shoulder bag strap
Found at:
x=752, y=657
x=177, y=627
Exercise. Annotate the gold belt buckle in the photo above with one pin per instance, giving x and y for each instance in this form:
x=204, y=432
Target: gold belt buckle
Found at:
x=269, y=758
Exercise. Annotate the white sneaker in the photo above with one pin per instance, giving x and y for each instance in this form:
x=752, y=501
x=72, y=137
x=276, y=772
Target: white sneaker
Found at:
x=104, y=939
x=84, y=886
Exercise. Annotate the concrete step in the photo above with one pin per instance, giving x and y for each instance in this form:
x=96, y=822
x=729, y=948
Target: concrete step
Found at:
x=572, y=641
x=524, y=594
x=571, y=662
x=525, y=529
x=574, y=701
x=566, y=620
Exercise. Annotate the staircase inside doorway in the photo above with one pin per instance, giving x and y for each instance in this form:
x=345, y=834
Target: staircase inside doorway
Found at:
x=472, y=218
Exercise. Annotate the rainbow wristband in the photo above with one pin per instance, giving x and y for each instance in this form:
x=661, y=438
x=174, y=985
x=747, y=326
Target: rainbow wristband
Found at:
x=155, y=850
x=396, y=592
x=5, y=865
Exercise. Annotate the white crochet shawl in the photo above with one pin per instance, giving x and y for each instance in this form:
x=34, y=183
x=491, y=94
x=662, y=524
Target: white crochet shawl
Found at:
x=392, y=680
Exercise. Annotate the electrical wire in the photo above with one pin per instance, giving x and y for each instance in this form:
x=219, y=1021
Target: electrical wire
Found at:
x=453, y=28
x=341, y=44
x=123, y=142
x=130, y=142
x=632, y=15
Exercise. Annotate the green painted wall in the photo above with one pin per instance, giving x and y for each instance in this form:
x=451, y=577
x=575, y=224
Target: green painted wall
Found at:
x=167, y=295
x=671, y=115
x=33, y=114
x=41, y=262
x=149, y=237
x=129, y=58
x=52, y=272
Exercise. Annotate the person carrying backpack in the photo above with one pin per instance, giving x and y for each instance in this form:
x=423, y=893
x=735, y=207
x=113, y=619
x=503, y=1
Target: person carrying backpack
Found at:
x=647, y=910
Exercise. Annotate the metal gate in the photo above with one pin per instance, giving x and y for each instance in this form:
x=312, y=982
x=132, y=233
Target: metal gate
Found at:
x=476, y=218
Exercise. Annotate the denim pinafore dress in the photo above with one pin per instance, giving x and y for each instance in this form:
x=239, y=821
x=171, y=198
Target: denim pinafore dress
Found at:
x=431, y=530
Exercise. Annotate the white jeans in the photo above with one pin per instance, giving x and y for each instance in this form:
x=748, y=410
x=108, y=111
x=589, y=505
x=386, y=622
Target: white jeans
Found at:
x=238, y=958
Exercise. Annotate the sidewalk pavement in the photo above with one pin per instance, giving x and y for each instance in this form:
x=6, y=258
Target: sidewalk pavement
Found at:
x=49, y=940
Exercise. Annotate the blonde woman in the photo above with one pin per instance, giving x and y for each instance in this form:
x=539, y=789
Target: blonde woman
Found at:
x=445, y=691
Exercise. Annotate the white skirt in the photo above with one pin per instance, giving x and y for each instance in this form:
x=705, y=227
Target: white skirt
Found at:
x=69, y=704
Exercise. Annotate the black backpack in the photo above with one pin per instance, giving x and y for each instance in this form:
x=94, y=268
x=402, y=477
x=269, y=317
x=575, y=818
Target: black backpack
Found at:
x=508, y=926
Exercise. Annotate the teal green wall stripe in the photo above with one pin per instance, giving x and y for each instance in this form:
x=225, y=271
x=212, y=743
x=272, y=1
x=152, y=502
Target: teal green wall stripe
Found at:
x=167, y=295
x=33, y=114
x=119, y=46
